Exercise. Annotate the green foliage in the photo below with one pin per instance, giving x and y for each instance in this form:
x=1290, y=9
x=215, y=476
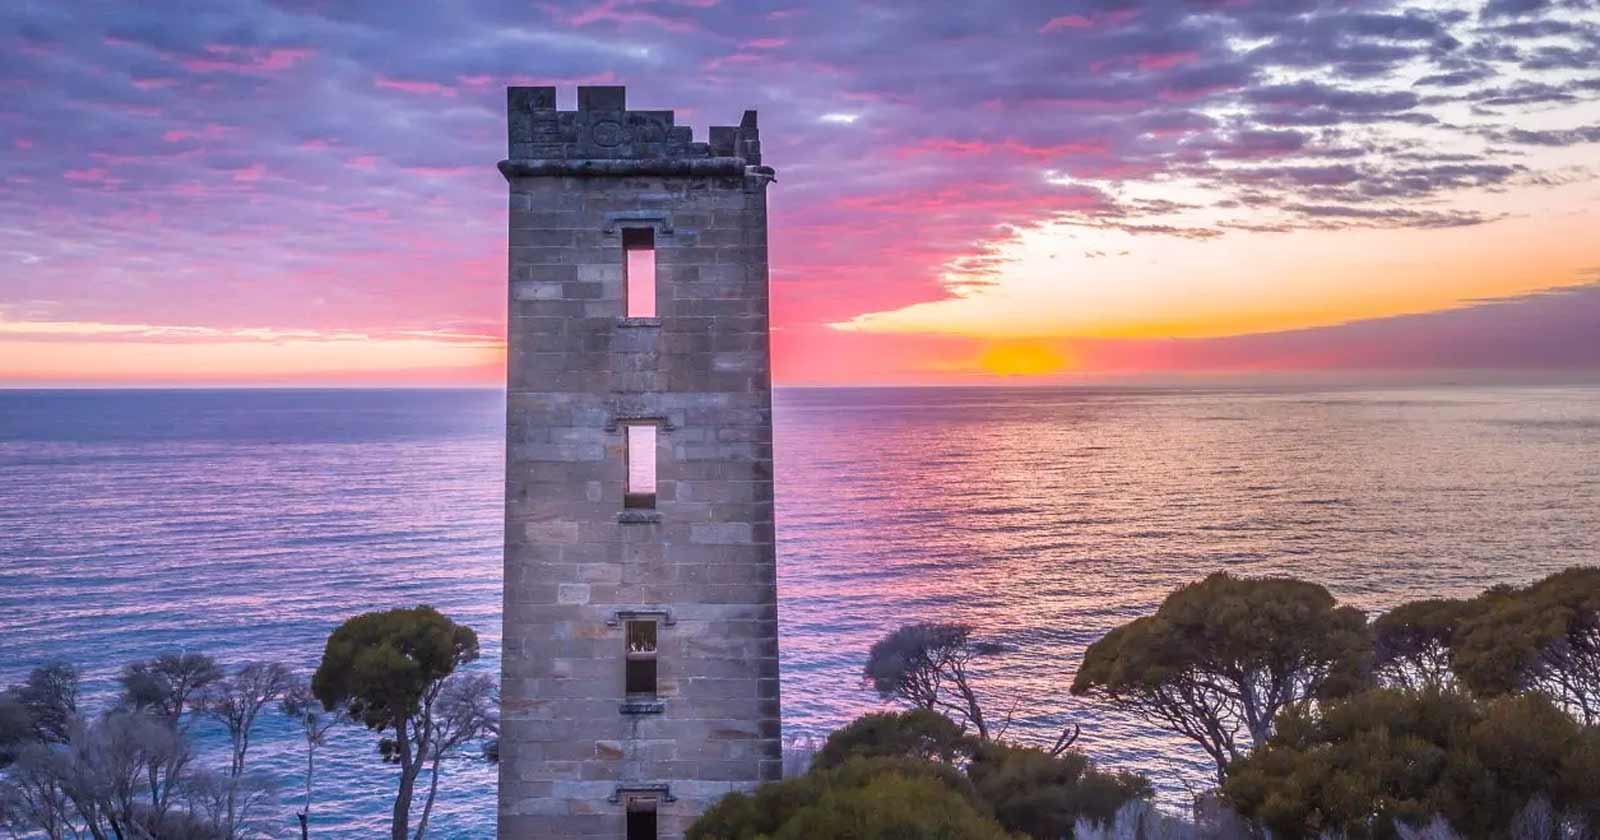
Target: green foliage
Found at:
x=1545, y=638
x=919, y=734
x=909, y=664
x=1386, y=755
x=387, y=670
x=1226, y=654
x=1412, y=643
x=1042, y=795
x=863, y=799
x=378, y=665
x=927, y=666
x=868, y=775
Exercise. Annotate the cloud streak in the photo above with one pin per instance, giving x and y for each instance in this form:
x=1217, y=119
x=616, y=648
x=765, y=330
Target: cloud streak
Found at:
x=296, y=166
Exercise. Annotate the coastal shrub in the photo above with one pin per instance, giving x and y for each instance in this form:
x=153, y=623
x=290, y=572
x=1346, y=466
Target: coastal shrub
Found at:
x=919, y=733
x=1367, y=765
x=1220, y=658
x=865, y=798
x=1044, y=795
x=867, y=769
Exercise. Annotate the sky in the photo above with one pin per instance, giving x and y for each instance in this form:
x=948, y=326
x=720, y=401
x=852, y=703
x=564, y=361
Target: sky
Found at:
x=305, y=192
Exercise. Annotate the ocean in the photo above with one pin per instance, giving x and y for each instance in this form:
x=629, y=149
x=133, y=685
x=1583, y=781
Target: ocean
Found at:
x=247, y=523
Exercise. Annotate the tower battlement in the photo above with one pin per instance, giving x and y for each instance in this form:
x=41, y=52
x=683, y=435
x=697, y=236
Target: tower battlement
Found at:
x=604, y=129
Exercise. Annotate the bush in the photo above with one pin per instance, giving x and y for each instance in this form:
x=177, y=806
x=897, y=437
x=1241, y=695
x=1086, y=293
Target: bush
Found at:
x=1044, y=796
x=863, y=799
x=1386, y=757
x=919, y=733
x=895, y=775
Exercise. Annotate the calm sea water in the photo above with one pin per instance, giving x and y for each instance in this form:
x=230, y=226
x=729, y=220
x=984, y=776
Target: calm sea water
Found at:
x=248, y=523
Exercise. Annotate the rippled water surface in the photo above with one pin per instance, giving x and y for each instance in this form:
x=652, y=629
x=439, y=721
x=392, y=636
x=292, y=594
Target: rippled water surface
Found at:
x=248, y=523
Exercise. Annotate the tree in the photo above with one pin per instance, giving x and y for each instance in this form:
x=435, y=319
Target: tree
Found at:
x=1544, y=638
x=169, y=684
x=41, y=708
x=1412, y=643
x=237, y=701
x=32, y=797
x=467, y=710
x=166, y=687
x=1221, y=658
x=16, y=728
x=302, y=706
x=1044, y=795
x=100, y=771
x=228, y=805
x=927, y=666
x=387, y=669
x=1385, y=758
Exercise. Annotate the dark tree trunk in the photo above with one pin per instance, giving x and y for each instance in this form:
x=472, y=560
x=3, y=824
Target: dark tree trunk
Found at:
x=400, y=827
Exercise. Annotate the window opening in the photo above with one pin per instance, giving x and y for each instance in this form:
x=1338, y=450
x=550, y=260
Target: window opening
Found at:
x=639, y=271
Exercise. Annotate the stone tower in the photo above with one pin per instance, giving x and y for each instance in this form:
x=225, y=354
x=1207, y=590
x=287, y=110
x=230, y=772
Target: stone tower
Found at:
x=640, y=673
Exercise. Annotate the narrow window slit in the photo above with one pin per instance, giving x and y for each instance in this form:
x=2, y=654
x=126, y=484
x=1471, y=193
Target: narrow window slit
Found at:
x=639, y=270
x=641, y=658
x=640, y=491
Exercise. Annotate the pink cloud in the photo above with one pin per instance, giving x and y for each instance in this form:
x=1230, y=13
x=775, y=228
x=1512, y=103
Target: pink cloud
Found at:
x=93, y=175
x=365, y=163
x=250, y=173
x=23, y=143
x=626, y=12
x=416, y=87
x=1006, y=148
x=210, y=131
x=735, y=58
x=1108, y=19
x=1066, y=22
x=763, y=44
x=1165, y=61
x=227, y=58
x=443, y=171
x=154, y=83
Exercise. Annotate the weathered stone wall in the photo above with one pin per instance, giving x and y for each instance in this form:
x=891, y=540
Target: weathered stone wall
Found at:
x=576, y=562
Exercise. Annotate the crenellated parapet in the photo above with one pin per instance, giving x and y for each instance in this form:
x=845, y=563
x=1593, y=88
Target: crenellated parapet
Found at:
x=603, y=129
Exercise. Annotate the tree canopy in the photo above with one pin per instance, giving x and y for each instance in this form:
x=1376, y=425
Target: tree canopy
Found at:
x=919, y=733
x=1544, y=637
x=1220, y=658
x=1412, y=643
x=1358, y=765
x=379, y=664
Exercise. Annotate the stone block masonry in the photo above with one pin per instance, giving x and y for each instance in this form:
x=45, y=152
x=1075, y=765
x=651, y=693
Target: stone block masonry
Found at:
x=585, y=567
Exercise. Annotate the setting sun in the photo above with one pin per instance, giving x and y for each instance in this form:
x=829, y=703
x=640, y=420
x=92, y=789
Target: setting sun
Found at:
x=1022, y=358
